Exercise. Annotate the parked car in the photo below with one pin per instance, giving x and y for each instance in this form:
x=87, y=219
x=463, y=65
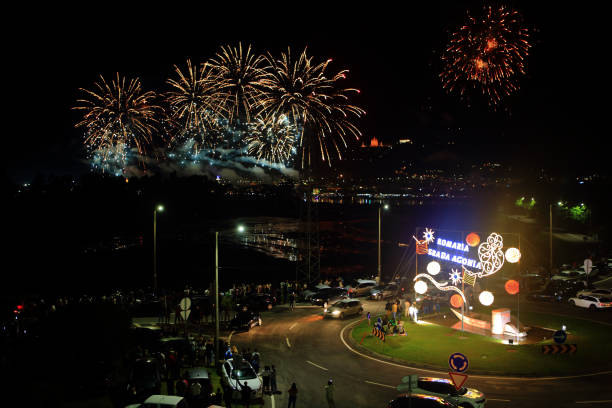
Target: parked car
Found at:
x=419, y=401
x=145, y=378
x=181, y=345
x=384, y=292
x=245, y=320
x=361, y=287
x=557, y=291
x=343, y=308
x=569, y=275
x=237, y=369
x=596, y=292
x=328, y=296
x=200, y=375
x=312, y=290
x=162, y=401
x=591, y=302
x=258, y=302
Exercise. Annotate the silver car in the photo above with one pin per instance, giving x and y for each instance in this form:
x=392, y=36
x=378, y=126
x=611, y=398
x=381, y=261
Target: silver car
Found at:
x=343, y=308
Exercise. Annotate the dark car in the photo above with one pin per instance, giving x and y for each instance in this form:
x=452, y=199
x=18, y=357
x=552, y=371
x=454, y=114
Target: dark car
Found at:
x=244, y=320
x=557, y=291
x=257, y=302
x=180, y=345
x=419, y=401
x=329, y=296
x=145, y=378
x=200, y=375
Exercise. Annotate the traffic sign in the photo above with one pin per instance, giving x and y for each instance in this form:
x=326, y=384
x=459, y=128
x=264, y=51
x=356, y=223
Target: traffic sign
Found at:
x=559, y=349
x=458, y=362
x=185, y=303
x=560, y=336
x=185, y=314
x=458, y=379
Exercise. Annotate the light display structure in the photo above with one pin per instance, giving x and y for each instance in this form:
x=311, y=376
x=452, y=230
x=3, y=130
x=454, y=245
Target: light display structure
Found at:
x=490, y=260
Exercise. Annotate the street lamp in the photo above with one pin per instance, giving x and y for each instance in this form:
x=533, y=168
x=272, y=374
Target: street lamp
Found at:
x=380, y=207
x=157, y=209
x=240, y=229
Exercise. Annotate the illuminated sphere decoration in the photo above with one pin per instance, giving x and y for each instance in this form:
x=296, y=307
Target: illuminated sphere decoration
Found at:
x=433, y=268
x=486, y=298
x=512, y=287
x=420, y=287
x=472, y=239
x=513, y=255
x=456, y=301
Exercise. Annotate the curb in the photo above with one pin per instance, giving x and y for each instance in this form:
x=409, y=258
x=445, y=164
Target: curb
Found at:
x=435, y=369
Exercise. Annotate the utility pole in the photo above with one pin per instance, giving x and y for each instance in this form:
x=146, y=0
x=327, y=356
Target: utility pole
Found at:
x=216, y=296
x=379, y=225
x=550, y=254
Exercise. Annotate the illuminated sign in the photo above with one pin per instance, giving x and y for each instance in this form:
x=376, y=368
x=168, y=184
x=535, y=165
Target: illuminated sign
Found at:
x=472, y=263
x=459, y=246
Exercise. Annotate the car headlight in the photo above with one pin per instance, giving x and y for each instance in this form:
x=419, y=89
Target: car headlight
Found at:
x=336, y=312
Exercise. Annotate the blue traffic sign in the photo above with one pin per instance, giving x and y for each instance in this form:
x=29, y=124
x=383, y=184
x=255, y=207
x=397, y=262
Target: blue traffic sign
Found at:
x=458, y=362
x=560, y=336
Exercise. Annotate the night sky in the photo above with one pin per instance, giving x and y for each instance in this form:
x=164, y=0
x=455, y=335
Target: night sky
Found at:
x=392, y=54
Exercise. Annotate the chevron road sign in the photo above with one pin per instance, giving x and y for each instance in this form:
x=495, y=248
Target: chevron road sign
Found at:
x=560, y=349
x=378, y=333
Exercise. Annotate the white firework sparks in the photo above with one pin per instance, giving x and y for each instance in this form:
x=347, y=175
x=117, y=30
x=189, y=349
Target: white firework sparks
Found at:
x=455, y=277
x=428, y=235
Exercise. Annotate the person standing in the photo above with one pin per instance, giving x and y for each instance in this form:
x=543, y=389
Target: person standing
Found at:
x=227, y=396
x=394, y=310
x=369, y=316
x=292, y=301
x=266, y=380
x=329, y=394
x=406, y=307
x=246, y=394
x=292, y=395
x=273, y=379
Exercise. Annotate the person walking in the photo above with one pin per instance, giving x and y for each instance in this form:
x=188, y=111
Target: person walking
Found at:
x=293, y=391
x=329, y=394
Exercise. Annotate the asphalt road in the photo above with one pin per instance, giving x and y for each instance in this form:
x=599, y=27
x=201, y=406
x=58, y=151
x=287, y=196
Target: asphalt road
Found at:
x=308, y=350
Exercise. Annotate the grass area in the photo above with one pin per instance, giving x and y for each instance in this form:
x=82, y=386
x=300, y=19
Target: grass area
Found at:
x=431, y=345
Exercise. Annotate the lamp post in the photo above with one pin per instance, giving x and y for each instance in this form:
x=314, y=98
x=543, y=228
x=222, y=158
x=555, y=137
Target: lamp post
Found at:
x=240, y=229
x=380, y=207
x=158, y=208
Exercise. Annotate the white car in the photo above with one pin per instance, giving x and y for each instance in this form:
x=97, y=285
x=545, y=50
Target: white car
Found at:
x=444, y=388
x=236, y=370
x=361, y=287
x=596, y=292
x=591, y=302
x=162, y=401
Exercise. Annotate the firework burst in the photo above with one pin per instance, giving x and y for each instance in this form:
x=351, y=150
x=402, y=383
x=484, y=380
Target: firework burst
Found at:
x=313, y=101
x=272, y=140
x=194, y=105
x=118, y=116
x=487, y=52
x=240, y=72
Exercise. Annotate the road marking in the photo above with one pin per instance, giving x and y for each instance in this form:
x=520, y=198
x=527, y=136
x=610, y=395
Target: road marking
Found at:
x=229, y=338
x=316, y=365
x=272, y=400
x=593, y=402
x=382, y=385
x=292, y=326
x=490, y=377
x=498, y=399
x=288, y=344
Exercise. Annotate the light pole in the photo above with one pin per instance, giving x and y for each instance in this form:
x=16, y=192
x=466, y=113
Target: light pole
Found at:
x=240, y=229
x=550, y=255
x=380, y=207
x=159, y=208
